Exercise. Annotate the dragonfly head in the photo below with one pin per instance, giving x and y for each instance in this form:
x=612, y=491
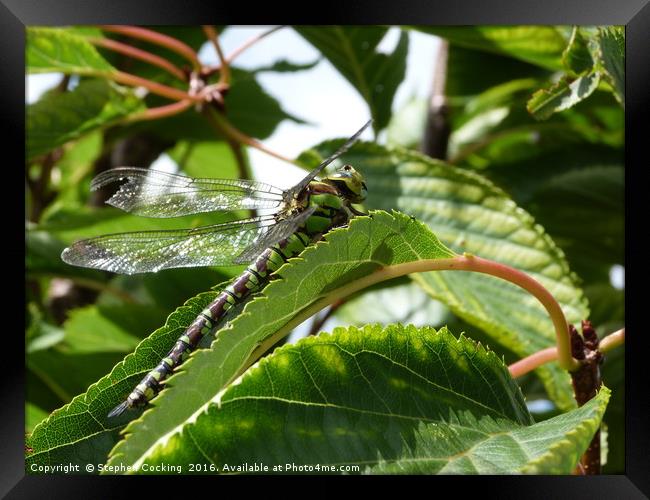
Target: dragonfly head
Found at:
x=349, y=182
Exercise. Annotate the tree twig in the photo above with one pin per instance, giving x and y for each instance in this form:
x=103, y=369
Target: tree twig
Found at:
x=211, y=34
x=142, y=55
x=155, y=87
x=437, y=130
x=158, y=39
x=459, y=263
x=249, y=43
x=226, y=129
x=318, y=323
x=535, y=360
x=160, y=111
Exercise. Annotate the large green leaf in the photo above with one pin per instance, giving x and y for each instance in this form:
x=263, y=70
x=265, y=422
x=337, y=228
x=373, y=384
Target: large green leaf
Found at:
x=59, y=50
x=368, y=246
x=352, y=51
x=116, y=328
x=470, y=214
x=251, y=109
x=205, y=159
x=348, y=255
x=60, y=117
x=539, y=45
x=79, y=431
x=393, y=400
x=495, y=69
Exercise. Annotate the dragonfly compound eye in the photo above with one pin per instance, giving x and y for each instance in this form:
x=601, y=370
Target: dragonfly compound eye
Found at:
x=349, y=182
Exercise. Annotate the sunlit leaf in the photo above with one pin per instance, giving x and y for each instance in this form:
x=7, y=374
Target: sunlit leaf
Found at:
x=393, y=400
x=60, y=117
x=539, y=45
x=59, y=50
x=470, y=214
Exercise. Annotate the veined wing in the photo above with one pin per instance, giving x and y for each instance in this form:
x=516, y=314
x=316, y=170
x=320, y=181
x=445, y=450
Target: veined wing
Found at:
x=151, y=193
x=276, y=233
x=150, y=251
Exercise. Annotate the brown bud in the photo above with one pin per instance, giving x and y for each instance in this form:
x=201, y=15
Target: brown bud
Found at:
x=577, y=344
x=588, y=332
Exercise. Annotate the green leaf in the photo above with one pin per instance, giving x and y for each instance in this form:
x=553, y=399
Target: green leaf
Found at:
x=347, y=255
x=406, y=127
x=352, y=51
x=116, y=328
x=79, y=431
x=59, y=50
x=582, y=196
x=40, y=334
x=68, y=373
x=205, y=159
x=251, y=109
x=72, y=173
x=577, y=57
x=470, y=214
x=61, y=117
x=553, y=446
x=562, y=95
x=539, y=45
x=33, y=416
x=393, y=400
x=464, y=63
x=612, y=58
x=43, y=256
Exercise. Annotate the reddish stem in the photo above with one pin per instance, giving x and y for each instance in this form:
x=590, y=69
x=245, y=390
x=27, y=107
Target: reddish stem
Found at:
x=140, y=54
x=161, y=111
x=156, y=38
x=211, y=34
x=225, y=128
x=530, y=363
x=563, y=340
x=156, y=88
x=250, y=42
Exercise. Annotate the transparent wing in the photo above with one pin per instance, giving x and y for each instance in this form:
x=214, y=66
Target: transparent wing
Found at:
x=293, y=192
x=278, y=232
x=150, y=251
x=151, y=193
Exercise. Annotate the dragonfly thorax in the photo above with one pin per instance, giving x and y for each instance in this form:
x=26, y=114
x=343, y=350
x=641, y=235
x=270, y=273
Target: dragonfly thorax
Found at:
x=349, y=183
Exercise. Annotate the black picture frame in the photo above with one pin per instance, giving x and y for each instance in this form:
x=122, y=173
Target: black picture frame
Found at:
x=634, y=14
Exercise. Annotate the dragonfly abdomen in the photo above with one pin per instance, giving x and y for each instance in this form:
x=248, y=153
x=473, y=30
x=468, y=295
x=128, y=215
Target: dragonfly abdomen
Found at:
x=252, y=279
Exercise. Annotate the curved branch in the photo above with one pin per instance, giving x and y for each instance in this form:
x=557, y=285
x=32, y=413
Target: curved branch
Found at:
x=459, y=263
x=225, y=128
x=156, y=88
x=158, y=39
x=140, y=54
x=160, y=112
x=534, y=361
x=211, y=34
x=249, y=43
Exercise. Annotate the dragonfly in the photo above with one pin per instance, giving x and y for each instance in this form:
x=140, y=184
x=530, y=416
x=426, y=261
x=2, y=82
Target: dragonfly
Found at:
x=298, y=217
